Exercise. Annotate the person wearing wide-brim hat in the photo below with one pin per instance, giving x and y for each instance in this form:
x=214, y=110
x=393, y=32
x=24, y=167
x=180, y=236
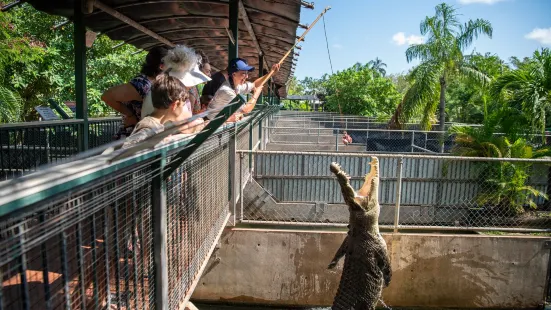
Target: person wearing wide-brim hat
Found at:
x=182, y=62
x=236, y=84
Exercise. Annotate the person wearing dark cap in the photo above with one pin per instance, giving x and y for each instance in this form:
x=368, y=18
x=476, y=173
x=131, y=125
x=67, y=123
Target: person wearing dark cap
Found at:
x=235, y=84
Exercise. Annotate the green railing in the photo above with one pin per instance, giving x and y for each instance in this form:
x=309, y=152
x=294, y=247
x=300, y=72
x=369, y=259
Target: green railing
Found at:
x=134, y=232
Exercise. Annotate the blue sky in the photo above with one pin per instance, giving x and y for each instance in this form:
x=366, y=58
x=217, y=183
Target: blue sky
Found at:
x=360, y=30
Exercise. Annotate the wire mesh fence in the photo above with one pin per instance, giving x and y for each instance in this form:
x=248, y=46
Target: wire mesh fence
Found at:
x=91, y=241
x=86, y=248
x=414, y=192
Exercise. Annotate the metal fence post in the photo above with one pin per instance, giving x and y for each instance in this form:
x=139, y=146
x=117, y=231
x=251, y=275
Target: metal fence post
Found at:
x=337, y=141
x=160, y=242
x=412, y=140
x=241, y=155
x=233, y=178
x=398, y=194
x=260, y=137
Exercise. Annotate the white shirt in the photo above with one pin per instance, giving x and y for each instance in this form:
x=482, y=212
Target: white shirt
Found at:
x=225, y=95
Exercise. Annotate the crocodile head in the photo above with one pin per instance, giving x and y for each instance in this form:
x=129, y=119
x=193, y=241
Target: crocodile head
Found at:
x=366, y=198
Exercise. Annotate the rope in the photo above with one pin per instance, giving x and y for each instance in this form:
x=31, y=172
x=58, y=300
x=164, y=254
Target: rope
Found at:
x=330, y=62
x=327, y=44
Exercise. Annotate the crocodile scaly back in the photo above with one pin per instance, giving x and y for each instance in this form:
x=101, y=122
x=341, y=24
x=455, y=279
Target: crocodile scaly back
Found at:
x=366, y=264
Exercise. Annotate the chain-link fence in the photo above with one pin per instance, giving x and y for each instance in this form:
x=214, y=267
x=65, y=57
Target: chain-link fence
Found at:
x=90, y=234
x=440, y=192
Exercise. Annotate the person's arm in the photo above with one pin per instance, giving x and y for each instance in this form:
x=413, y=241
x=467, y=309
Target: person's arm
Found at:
x=116, y=95
x=260, y=81
x=249, y=106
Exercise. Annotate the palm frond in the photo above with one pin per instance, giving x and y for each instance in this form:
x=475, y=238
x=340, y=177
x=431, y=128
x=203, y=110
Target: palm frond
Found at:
x=472, y=30
x=419, y=51
x=10, y=105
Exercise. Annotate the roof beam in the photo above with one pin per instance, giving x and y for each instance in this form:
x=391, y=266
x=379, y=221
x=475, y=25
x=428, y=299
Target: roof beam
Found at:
x=131, y=22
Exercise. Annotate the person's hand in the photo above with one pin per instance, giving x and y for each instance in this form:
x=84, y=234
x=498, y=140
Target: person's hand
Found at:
x=275, y=67
x=130, y=120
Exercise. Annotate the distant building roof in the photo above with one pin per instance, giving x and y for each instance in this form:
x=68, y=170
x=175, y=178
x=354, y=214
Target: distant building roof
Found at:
x=302, y=97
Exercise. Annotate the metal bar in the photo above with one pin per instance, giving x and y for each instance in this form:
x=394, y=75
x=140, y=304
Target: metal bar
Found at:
x=65, y=270
x=95, y=261
x=422, y=149
x=260, y=73
x=80, y=262
x=117, y=253
x=251, y=133
x=241, y=184
x=458, y=158
x=233, y=177
x=9, y=6
x=398, y=194
x=134, y=248
x=80, y=74
x=130, y=22
x=160, y=241
x=45, y=273
x=26, y=300
x=233, y=15
x=106, y=251
x=400, y=227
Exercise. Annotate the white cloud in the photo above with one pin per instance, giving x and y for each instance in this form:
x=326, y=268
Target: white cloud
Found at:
x=401, y=39
x=337, y=46
x=479, y=1
x=541, y=35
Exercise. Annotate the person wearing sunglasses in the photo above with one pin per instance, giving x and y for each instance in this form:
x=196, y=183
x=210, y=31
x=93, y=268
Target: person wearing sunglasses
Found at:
x=235, y=84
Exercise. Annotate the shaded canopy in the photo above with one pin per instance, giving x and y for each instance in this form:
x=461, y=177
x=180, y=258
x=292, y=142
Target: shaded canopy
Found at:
x=200, y=24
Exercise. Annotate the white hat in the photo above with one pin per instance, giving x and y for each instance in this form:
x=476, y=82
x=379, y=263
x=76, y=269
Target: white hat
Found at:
x=190, y=78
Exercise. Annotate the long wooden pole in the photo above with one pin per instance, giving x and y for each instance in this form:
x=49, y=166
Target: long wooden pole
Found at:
x=257, y=93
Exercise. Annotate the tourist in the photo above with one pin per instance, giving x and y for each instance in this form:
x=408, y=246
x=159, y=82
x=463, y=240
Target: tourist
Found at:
x=127, y=98
x=183, y=63
x=235, y=83
x=346, y=139
x=204, y=66
x=168, y=96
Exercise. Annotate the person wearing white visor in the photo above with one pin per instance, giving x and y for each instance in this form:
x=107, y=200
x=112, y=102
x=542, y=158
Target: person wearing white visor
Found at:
x=182, y=63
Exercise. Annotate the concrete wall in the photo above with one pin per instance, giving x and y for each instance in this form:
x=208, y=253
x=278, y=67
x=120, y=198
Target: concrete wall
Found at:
x=429, y=270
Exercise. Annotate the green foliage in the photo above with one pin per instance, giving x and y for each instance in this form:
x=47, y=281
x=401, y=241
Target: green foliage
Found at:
x=441, y=59
x=528, y=88
x=502, y=184
x=38, y=62
x=10, y=103
x=360, y=90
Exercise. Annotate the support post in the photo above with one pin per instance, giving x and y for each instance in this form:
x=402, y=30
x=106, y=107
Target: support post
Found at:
x=260, y=71
x=398, y=194
x=160, y=243
x=241, y=155
x=234, y=29
x=412, y=140
x=233, y=175
x=79, y=37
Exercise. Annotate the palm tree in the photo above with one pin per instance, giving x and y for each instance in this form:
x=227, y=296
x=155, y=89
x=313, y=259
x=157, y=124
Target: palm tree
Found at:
x=10, y=105
x=528, y=88
x=441, y=58
x=377, y=65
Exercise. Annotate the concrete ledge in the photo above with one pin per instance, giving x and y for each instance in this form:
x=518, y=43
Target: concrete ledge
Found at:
x=288, y=267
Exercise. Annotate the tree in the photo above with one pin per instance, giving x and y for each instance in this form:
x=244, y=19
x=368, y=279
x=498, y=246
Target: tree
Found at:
x=359, y=90
x=37, y=62
x=378, y=66
x=528, y=88
x=441, y=58
x=294, y=87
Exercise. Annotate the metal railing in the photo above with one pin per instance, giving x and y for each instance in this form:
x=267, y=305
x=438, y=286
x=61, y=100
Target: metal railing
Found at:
x=95, y=234
x=364, y=140
x=415, y=192
x=26, y=146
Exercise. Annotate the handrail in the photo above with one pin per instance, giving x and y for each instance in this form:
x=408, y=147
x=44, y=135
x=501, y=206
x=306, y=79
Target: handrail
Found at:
x=17, y=194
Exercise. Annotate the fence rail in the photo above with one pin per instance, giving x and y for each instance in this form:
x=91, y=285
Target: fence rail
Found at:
x=90, y=234
x=417, y=192
x=26, y=146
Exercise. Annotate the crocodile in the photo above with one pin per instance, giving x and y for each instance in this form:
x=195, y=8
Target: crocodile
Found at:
x=367, y=264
